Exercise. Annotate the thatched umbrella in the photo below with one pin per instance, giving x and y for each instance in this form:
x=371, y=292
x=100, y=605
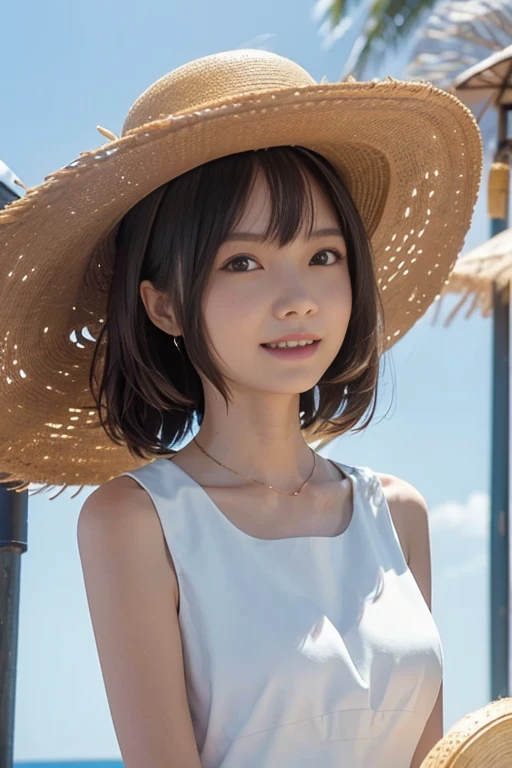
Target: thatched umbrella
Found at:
x=478, y=274
x=456, y=36
x=489, y=80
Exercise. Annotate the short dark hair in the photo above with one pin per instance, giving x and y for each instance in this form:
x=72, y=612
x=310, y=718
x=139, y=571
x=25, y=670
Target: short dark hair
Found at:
x=146, y=391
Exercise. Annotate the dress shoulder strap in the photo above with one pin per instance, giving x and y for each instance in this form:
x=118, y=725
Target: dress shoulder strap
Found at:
x=375, y=514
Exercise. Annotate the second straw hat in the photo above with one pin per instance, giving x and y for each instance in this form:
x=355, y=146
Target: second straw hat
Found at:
x=481, y=739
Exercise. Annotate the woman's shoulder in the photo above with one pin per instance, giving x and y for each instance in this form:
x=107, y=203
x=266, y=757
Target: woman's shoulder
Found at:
x=121, y=508
x=119, y=518
x=401, y=492
x=116, y=507
x=402, y=497
x=409, y=512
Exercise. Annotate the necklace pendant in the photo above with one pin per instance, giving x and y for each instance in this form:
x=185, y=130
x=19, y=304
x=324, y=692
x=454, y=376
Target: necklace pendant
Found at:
x=295, y=493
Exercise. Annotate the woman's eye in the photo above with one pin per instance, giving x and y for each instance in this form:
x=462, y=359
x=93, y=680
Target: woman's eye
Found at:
x=327, y=252
x=241, y=263
x=238, y=264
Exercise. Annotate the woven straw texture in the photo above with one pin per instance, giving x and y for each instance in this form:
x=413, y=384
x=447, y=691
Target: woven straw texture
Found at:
x=412, y=158
x=482, y=739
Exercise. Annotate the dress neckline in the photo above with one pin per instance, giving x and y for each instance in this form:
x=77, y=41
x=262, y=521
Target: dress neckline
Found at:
x=347, y=471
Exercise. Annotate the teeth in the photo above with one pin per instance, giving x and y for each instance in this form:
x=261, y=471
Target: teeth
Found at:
x=290, y=344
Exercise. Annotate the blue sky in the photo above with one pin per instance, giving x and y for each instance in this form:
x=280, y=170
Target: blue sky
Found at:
x=68, y=67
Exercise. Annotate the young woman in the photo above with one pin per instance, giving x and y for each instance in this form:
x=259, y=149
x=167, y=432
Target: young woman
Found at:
x=255, y=604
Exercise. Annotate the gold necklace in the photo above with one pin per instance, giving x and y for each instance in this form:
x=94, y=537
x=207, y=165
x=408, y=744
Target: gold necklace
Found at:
x=286, y=493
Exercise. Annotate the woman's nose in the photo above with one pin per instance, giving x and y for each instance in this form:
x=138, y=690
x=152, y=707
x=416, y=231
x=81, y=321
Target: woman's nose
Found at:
x=293, y=295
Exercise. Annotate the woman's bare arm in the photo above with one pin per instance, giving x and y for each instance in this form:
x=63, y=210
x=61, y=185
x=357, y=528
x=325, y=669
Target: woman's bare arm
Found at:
x=131, y=591
x=410, y=517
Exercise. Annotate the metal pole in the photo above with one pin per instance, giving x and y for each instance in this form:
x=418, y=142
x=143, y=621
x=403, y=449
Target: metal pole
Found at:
x=13, y=543
x=499, y=533
x=499, y=555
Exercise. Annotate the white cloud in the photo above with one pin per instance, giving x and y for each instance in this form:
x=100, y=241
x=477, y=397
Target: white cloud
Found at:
x=469, y=519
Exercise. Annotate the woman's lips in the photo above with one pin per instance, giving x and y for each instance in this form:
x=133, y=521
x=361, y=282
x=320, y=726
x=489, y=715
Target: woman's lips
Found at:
x=293, y=353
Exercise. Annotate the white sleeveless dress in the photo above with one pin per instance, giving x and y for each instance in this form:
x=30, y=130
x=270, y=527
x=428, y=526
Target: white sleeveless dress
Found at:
x=305, y=652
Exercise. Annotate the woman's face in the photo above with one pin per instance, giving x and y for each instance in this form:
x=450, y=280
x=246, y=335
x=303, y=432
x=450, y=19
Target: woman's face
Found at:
x=258, y=293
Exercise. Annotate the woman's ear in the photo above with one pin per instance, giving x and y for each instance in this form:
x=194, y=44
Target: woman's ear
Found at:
x=158, y=308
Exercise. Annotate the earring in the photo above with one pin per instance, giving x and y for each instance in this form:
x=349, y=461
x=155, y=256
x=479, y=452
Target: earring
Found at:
x=176, y=344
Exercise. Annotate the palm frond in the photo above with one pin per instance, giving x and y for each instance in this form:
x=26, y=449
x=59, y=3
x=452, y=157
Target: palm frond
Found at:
x=337, y=11
x=388, y=24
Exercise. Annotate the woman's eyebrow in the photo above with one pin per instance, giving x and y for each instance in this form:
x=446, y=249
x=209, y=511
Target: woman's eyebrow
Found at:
x=255, y=237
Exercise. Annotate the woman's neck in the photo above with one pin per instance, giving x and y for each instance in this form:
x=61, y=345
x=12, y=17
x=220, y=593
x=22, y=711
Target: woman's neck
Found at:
x=265, y=443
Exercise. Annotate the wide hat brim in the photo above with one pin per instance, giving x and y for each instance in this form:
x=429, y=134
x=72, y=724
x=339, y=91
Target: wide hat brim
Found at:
x=411, y=155
x=481, y=738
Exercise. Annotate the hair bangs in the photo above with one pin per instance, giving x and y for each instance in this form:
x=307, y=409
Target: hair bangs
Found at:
x=291, y=198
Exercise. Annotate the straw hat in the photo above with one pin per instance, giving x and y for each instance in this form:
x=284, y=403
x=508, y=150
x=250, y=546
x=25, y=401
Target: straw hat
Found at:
x=410, y=154
x=482, y=739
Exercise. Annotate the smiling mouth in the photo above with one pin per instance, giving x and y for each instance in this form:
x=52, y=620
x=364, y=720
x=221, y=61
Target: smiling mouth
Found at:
x=289, y=344
x=297, y=352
